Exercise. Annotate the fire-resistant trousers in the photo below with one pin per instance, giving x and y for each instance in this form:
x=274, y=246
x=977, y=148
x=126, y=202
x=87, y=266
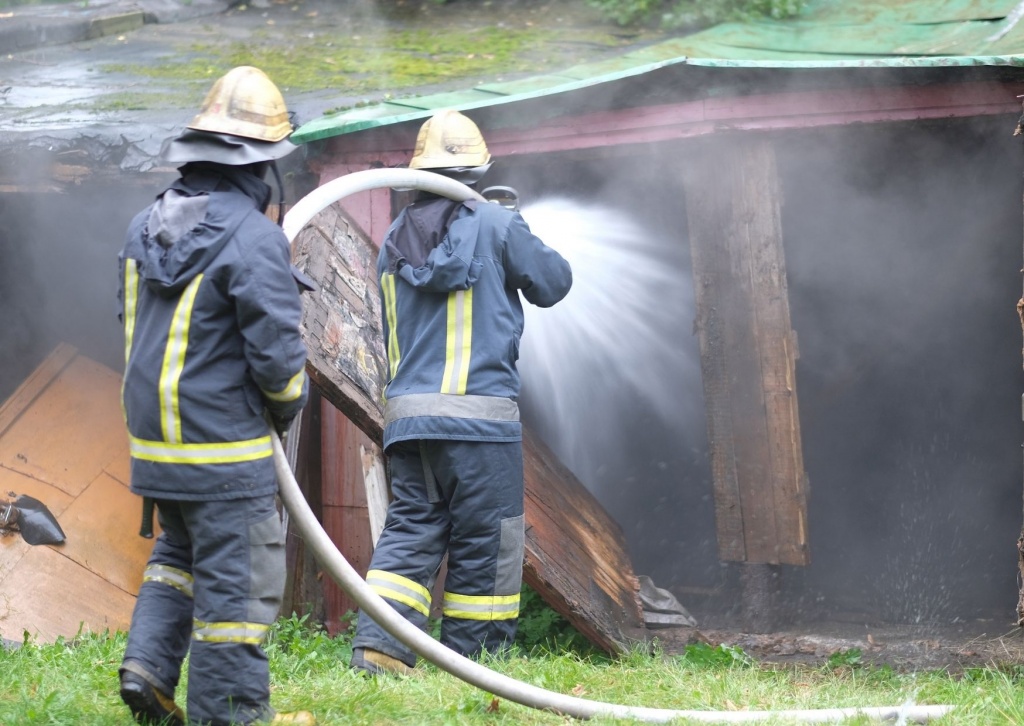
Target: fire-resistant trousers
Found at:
x=466, y=498
x=214, y=582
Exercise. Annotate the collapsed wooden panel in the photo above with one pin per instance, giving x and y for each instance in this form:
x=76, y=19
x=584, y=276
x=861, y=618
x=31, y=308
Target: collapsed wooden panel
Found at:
x=341, y=321
x=575, y=553
x=748, y=355
x=62, y=441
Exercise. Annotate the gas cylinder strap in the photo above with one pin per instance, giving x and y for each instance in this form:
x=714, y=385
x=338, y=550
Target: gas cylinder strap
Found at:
x=227, y=452
x=481, y=607
x=490, y=408
x=400, y=589
x=170, y=576
x=251, y=633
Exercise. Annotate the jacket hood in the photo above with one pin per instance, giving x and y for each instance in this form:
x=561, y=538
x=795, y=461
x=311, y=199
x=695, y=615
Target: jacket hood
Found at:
x=422, y=250
x=192, y=220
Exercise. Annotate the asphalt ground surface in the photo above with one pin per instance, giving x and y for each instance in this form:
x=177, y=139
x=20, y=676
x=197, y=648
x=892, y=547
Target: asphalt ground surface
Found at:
x=74, y=72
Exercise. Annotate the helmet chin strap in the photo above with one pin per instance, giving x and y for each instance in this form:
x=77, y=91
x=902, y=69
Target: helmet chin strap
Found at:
x=280, y=192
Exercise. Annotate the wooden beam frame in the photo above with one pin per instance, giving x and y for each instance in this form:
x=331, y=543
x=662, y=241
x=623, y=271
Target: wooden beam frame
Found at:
x=392, y=145
x=748, y=353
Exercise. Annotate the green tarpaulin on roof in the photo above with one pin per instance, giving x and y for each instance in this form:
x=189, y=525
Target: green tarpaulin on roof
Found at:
x=830, y=33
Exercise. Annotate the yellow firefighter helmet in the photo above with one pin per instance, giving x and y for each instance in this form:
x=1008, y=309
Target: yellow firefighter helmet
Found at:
x=244, y=102
x=243, y=120
x=449, y=140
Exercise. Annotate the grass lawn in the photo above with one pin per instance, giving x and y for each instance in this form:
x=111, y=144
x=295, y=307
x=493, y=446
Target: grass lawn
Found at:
x=76, y=683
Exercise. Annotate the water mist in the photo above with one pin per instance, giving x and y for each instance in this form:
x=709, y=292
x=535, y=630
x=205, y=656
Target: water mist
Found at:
x=615, y=364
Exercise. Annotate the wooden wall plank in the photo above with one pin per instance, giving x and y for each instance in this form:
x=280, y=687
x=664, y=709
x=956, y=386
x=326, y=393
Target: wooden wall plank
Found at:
x=50, y=595
x=747, y=355
x=349, y=529
x=72, y=429
x=576, y=556
x=346, y=518
x=303, y=589
x=58, y=450
x=378, y=490
x=36, y=383
x=102, y=528
x=706, y=203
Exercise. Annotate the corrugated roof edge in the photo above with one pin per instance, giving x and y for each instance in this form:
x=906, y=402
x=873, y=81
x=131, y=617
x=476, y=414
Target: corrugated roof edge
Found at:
x=387, y=114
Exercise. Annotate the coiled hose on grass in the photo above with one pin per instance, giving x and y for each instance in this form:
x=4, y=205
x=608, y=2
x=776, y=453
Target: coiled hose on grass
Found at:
x=418, y=641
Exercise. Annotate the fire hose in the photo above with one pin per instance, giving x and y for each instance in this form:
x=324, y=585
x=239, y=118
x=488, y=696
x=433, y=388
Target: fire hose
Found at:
x=342, y=572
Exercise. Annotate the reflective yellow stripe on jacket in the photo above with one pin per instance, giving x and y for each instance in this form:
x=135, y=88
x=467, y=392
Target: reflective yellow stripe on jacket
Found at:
x=459, y=335
x=172, y=449
x=481, y=607
x=174, y=363
x=131, y=297
x=292, y=390
x=400, y=589
x=459, y=346
x=387, y=285
x=212, y=453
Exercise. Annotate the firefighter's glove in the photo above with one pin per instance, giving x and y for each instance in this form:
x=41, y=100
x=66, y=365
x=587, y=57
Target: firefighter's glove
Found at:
x=281, y=425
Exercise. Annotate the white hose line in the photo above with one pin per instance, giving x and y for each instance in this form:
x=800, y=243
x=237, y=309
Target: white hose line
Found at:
x=362, y=181
x=418, y=641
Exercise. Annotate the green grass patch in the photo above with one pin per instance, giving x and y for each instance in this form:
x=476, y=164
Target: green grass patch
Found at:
x=386, y=61
x=75, y=682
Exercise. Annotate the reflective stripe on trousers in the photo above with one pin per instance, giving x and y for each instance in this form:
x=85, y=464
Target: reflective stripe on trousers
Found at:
x=212, y=588
x=473, y=509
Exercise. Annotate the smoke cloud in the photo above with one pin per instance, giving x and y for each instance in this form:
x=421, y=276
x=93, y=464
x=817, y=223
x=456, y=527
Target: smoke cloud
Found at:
x=58, y=282
x=903, y=253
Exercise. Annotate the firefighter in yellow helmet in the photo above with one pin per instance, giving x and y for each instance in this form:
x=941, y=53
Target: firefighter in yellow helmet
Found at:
x=451, y=275
x=210, y=305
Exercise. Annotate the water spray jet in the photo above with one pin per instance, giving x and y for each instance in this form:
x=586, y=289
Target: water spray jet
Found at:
x=473, y=673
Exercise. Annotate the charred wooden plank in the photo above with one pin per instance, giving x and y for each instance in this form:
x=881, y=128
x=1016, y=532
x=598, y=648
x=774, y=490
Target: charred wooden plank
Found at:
x=748, y=356
x=342, y=320
x=575, y=553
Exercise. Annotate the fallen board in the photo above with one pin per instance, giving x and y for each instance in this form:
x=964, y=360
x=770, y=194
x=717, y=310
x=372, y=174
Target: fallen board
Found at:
x=63, y=441
x=575, y=553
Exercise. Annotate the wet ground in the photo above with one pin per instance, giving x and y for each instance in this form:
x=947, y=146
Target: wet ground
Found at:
x=953, y=647
x=105, y=88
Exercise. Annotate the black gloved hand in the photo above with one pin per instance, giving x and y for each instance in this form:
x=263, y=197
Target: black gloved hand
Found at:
x=281, y=425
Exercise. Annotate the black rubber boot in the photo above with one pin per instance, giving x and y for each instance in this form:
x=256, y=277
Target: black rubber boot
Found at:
x=149, y=706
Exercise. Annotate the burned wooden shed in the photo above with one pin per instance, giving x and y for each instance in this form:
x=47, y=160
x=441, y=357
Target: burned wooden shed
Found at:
x=829, y=207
